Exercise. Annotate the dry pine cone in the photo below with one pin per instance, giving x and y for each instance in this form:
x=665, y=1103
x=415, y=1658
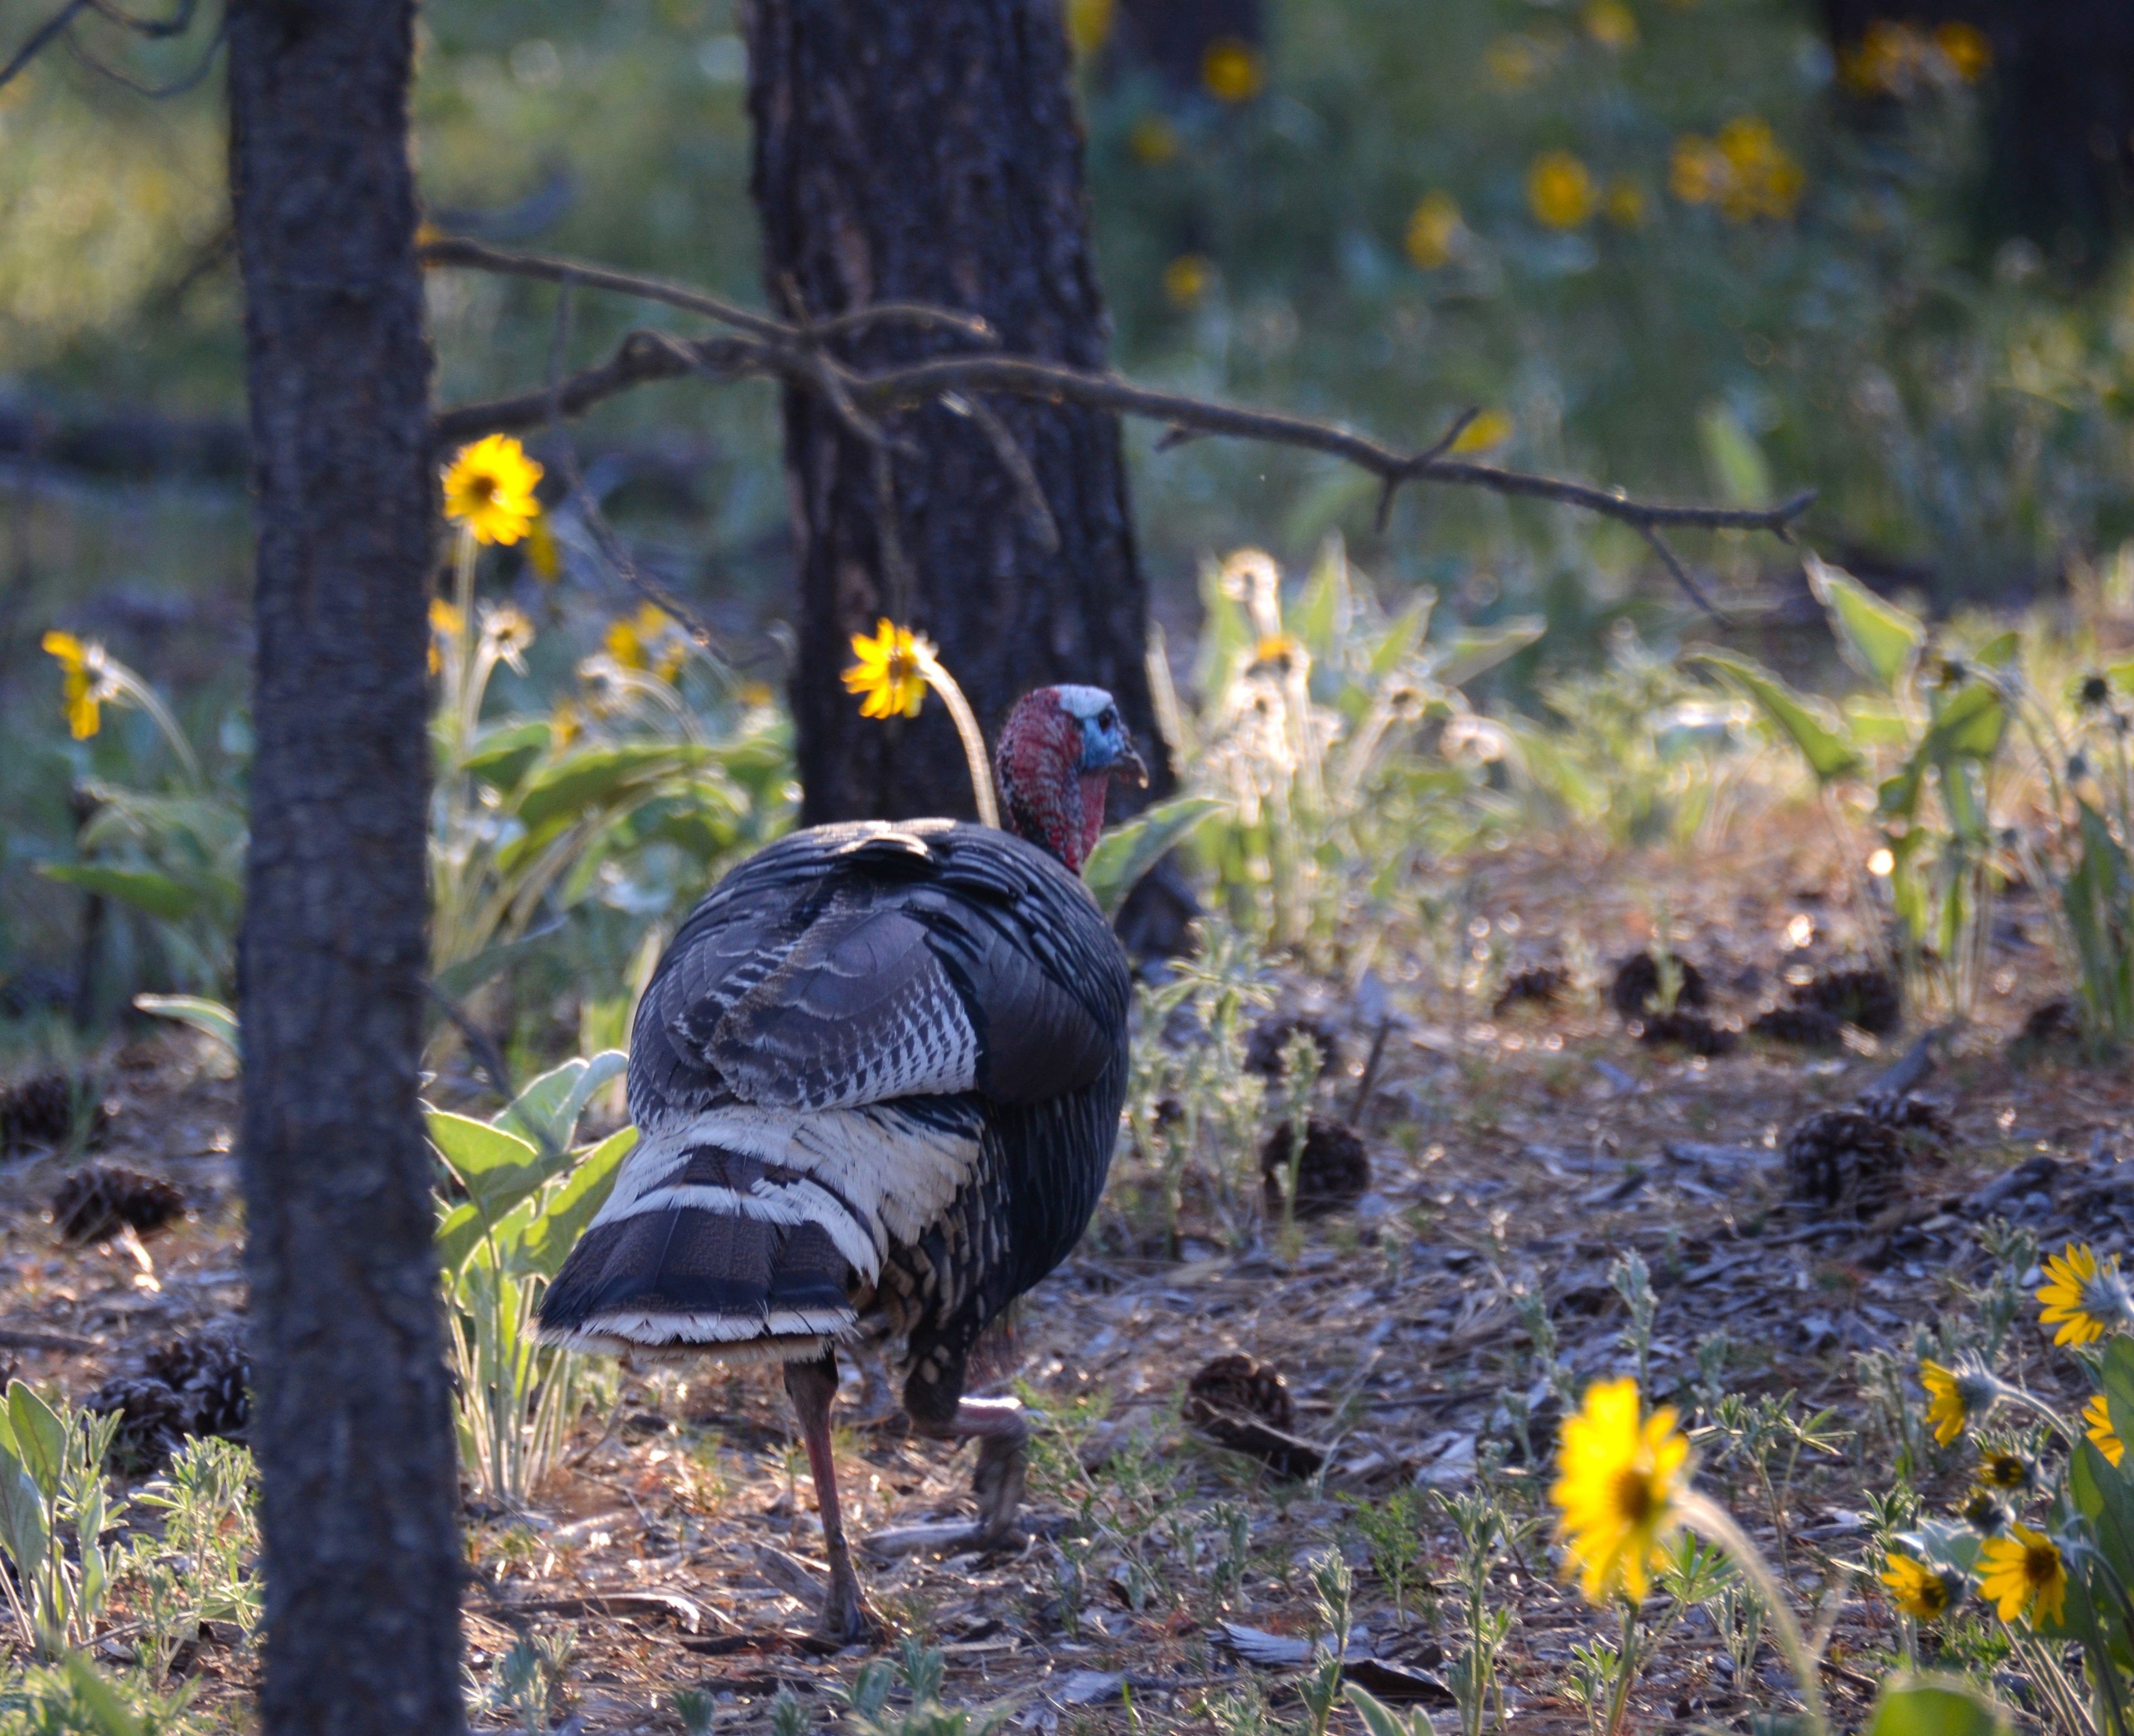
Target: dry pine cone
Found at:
x=95, y=1203
x=1854, y=1159
x=42, y=1112
x=1336, y=1170
x=187, y=1385
x=1244, y=1404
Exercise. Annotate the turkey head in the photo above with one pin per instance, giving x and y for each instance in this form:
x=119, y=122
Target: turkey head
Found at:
x=1059, y=751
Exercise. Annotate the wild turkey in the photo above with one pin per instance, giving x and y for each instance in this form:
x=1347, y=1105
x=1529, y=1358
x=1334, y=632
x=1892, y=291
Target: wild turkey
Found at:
x=878, y=1073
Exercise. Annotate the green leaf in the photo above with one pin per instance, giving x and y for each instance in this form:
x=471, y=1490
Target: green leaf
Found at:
x=1124, y=854
x=501, y=758
x=1471, y=654
x=1739, y=468
x=2000, y=651
x=547, y=1111
x=457, y=982
x=1379, y=1718
x=1878, y=638
x=1970, y=724
x=209, y=1017
x=565, y=1213
x=94, y=1696
x=1402, y=634
x=497, y=1169
x=41, y=1436
x=597, y=777
x=1876, y=723
x=22, y=1529
x=142, y=887
x=1937, y=1705
x=1830, y=756
x=2121, y=675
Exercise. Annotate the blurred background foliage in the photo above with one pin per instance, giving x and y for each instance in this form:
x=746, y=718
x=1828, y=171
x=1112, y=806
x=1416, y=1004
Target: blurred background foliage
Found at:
x=1692, y=247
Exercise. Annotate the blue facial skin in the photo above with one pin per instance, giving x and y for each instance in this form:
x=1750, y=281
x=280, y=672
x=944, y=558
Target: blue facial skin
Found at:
x=1105, y=743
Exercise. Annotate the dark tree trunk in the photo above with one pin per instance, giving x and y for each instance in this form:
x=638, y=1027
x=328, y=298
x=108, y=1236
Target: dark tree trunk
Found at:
x=931, y=153
x=2060, y=113
x=351, y=1424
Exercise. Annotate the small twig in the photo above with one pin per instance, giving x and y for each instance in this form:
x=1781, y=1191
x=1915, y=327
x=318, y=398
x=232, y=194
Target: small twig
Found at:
x=1016, y=462
x=1445, y=442
x=1681, y=573
x=42, y=35
x=23, y=1338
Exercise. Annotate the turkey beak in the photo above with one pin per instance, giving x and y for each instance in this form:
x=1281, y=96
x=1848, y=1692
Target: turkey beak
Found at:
x=1129, y=767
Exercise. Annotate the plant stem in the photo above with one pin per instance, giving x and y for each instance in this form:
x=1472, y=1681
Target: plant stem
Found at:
x=1717, y=1527
x=966, y=727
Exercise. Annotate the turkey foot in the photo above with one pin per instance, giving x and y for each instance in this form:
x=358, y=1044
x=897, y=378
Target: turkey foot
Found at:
x=812, y=1387
x=998, y=1426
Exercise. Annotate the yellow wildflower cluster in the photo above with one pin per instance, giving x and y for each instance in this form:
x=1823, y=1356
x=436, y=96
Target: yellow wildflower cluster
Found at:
x=1899, y=60
x=1745, y=172
x=650, y=639
x=1560, y=190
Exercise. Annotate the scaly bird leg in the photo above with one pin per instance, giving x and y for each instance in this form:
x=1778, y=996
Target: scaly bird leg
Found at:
x=812, y=1387
x=1001, y=1430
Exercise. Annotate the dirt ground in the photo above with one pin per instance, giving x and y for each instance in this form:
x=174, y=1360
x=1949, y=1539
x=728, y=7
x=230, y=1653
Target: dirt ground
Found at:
x=1525, y=1148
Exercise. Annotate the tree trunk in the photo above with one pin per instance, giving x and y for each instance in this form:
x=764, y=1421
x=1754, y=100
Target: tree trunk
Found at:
x=931, y=153
x=350, y=1421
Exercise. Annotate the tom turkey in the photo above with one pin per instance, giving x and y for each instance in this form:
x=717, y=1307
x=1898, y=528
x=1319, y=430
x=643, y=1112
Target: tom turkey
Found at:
x=877, y=1075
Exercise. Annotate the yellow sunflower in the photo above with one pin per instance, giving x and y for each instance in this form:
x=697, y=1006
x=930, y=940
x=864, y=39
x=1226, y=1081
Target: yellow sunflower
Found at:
x=2085, y=1297
x=81, y=677
x=1957, y=1397
x=1615, y=1492
x=891, y=671
x=489, y=489
x=648, y=639
x=1922, y=1592
x=2096, y=1421
x=2024, y=1573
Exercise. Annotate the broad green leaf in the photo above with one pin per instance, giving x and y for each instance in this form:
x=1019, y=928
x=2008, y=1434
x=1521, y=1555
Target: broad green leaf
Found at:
x=503, y=756
x=597, y=777
x=1403, y=633
x=547, y=1111
x=1936, y=1705
x=94, y=1695
x=209, y=1017
x=2099, y=899
x=457, y=1233
x=565, y=1213
x=2106, y=1500
x=1971, y=723
x=457, y=982
x=1878, y=638
x=2121, y=675
x=1876, y=722
x=142, y=887
x=2000, y=651
x=41, y=1436
x=1738, y=467
x=1124, y=854
x=497, y=1169
x=1472, y=653
x=1379, y=1718
x=22, y=1529
x=1828, y=755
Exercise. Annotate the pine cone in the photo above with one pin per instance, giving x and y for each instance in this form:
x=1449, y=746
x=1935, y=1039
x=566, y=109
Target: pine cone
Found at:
x=1537, y=983
x=1854, y=1159
x=1637, y=985
x=1334, y=1171
x=1864, y=996
x=1270, y=1037
x=1691, y=1031
x=93, y=1203
x=41, y=1111
x=153, y=1419
x=209, y=1370
x=1809, y=1026
x=1245, y=1406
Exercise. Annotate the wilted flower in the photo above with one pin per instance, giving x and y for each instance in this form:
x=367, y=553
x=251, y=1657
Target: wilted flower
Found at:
x=1985, y=1512
x=509, y=631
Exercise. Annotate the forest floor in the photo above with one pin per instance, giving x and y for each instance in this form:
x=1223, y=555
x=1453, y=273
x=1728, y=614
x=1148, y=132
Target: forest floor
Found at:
x=1528, y=1149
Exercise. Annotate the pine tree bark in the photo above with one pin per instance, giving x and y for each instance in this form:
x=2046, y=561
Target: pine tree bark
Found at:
x=350, y=1421
x=931, y=153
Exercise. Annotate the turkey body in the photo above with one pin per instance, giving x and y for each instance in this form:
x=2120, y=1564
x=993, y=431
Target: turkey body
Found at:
x=878, y=1073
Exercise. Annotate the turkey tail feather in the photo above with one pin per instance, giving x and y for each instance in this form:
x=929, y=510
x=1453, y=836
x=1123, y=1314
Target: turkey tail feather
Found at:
x=703, y=1267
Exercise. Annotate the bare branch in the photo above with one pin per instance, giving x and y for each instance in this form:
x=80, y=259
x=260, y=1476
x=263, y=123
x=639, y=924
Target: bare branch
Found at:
x=43, y=34
x=1036, y=509
x=792, y=354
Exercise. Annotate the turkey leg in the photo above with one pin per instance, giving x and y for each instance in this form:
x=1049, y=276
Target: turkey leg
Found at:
x=812, y=1387
x=1001, y=1431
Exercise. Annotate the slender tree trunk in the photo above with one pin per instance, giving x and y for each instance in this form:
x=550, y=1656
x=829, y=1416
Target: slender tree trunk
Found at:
x=351, y=1423
x=930, y=152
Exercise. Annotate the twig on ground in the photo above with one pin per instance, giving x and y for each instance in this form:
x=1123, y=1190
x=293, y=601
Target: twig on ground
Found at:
x=794, y=353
